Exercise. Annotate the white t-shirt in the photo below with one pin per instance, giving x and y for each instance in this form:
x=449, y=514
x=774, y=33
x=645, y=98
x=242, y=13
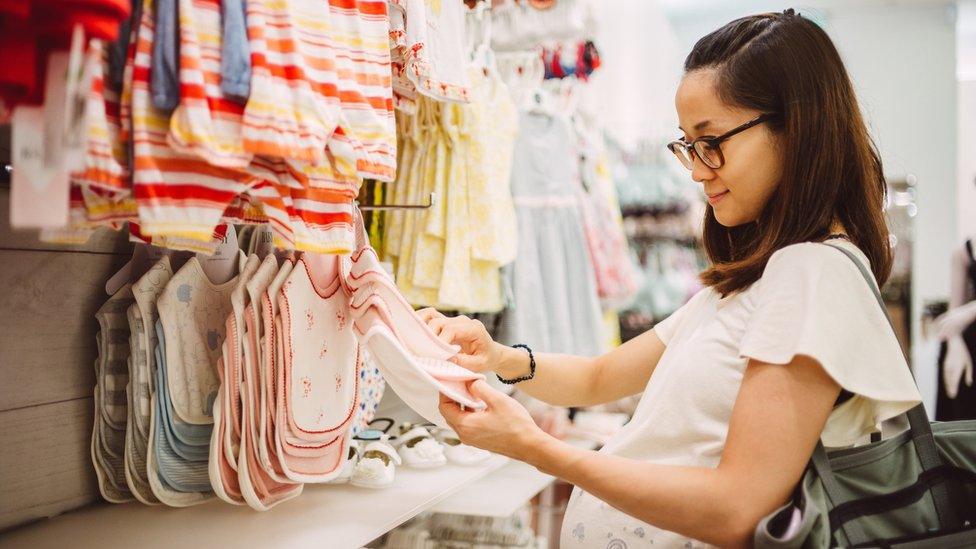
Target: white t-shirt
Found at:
x=811, y=300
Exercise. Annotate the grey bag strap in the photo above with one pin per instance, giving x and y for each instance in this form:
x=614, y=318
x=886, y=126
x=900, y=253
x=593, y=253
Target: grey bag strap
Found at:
x=917, y=418
x=821, y=464
x=922, y=437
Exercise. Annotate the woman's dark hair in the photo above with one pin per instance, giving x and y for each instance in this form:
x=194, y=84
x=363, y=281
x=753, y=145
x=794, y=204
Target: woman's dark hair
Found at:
x=783, y=63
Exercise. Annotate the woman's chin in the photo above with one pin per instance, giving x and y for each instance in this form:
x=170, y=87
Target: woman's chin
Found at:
x=731, y=219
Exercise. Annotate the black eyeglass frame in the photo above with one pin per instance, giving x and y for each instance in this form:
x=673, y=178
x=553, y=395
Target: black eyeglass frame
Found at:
x=714, y=142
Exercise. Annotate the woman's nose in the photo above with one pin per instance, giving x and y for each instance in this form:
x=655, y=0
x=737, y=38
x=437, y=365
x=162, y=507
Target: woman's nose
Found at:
x=700, y=172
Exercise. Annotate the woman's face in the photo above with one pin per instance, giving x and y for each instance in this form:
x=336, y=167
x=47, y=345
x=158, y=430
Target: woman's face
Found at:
x=738, y=190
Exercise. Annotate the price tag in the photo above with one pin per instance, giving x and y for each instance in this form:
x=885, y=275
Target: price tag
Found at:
x=38, y=192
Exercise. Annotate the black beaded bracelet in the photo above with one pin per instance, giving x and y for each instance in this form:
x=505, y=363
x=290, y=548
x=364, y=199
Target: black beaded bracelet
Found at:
x=531, y=367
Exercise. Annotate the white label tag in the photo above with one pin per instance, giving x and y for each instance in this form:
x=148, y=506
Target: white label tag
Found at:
x=262, y=241
x=222, y=265
x=38, y=193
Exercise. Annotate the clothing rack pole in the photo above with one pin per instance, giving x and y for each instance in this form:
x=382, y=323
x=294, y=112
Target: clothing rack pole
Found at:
x=431, y=200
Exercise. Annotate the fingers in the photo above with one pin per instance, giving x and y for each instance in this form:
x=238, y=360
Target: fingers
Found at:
x=468, y=362
x=452, y=413
x=429, y=313
x=438, y=323
x=452, y=333
x=454, y=330
x=480, y=389
x=449, y=409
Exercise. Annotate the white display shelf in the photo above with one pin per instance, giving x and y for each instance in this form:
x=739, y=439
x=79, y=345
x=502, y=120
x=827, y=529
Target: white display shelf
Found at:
x=336, y=517
x=502, y=492
x=499, y=494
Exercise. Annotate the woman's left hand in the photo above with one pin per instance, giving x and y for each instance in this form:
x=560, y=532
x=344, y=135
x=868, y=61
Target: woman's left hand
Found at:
x=504, y=427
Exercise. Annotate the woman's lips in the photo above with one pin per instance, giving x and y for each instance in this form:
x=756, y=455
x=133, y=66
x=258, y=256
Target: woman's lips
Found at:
x=717, y=197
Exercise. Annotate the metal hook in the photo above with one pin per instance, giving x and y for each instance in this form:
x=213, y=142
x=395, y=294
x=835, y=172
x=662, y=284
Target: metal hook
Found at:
x=431, y=200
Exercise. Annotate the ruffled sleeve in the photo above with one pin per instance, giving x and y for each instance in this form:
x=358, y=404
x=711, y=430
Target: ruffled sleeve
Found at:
x=812, y=300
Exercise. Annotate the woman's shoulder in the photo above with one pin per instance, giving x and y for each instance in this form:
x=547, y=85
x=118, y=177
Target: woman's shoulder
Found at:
x=815, y=258
x=817, y=252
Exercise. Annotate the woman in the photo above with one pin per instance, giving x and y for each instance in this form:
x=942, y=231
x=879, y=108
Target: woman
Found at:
x=785, y=346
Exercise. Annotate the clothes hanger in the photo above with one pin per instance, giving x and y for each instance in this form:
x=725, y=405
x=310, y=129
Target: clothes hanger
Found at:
x=224, y=264
x=143, y=257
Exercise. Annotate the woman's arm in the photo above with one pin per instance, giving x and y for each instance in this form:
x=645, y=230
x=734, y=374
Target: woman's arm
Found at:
x=560, y=380
x=566, y=380
x=778, y=416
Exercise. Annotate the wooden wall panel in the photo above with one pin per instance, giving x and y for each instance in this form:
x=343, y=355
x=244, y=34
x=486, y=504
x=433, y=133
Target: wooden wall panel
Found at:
x=47, y=324
x=45, y=468
x=48, y=297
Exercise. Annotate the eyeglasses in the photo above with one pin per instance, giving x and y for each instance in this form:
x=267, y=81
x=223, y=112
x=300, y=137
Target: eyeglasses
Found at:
x=708, y=148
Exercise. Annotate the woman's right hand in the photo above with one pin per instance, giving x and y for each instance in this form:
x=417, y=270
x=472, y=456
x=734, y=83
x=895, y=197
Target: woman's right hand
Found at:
x=479, y=352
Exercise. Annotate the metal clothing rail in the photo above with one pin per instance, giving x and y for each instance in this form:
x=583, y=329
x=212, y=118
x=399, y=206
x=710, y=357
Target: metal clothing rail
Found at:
x=431, y=200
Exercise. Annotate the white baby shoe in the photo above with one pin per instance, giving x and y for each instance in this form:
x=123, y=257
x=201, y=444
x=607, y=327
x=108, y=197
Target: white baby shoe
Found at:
x=419, y=449
x=458, y=452
x=376, y=467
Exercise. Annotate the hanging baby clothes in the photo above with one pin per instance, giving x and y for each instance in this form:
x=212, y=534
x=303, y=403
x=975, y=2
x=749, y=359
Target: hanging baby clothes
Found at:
x=205, y=122
x=321, y=78
x=164, y=181
x=427, y=37
x=235, y=53
x=422, y=248
x=262, y=481
x=438, y=271
x=192, y=314
x=111, y=405
x=616, y=276
x=491, y=131
x=226, y=437
x=194, y=135
x=450, y=255
x=555, y=305
x=317, y=371
x=518, y=25
x=142, y=316
x=164, y=78
x=176, y=457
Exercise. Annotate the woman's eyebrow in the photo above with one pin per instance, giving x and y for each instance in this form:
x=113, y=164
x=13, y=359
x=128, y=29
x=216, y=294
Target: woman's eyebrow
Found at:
x=699, y=126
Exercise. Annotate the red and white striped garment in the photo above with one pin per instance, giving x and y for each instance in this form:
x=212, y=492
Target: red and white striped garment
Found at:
x=205, y=123
x=104, y=159
x=178, y=195
x=360, y=36
x=321, y=90
x=294, y=104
